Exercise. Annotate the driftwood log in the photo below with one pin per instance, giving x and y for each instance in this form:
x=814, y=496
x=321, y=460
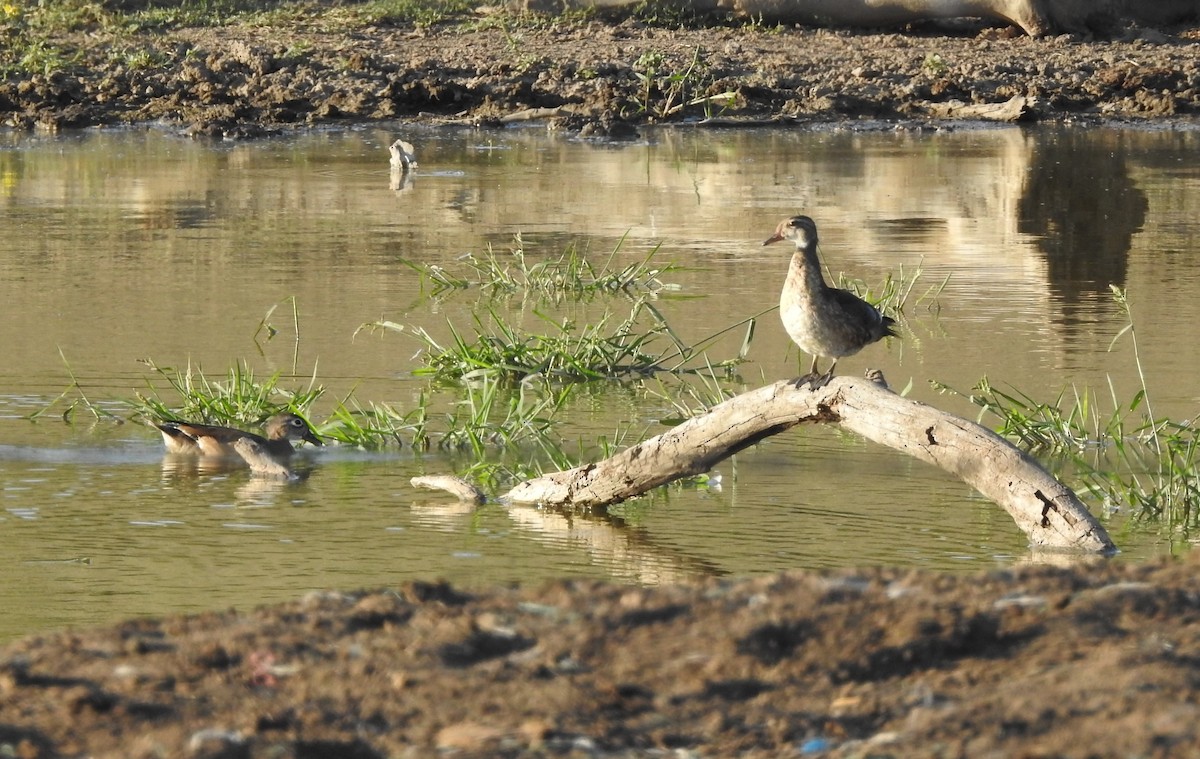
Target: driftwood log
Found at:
x=1034, y=17
x=1047, y=511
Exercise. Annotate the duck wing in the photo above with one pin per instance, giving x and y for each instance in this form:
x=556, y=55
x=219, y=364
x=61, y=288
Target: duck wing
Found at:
x=860, y=320
x=205, y=439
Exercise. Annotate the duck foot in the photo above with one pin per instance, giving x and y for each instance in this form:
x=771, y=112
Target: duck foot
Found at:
x=815, y=381
x=796, y=383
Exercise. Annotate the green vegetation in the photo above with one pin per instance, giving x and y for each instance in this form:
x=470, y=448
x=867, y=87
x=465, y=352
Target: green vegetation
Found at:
x=40, y=37
x=132, y=15
x=933, y=65
x=667, y=90
x=640, y=345
x=417, y=12
x=673, y=15
x=238, y=400
x=570, y=275
x=568, y=352
x=495, y=398
x=897, y=291
x=74, y=398
x=483, y=420
x=1123, y=454
x=43, y=36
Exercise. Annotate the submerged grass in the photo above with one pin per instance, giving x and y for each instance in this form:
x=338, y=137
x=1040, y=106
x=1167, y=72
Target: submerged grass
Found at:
x=486, y=417
x=73, y=400
x=1125, y=455
x=570, y=275
x=639, y=345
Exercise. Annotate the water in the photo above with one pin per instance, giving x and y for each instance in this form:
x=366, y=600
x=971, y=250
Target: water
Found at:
x=129, y=245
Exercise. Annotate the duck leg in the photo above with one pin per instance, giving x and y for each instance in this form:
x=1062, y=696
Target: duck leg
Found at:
x=819, y=382
x=811, y=377
x=814, y=380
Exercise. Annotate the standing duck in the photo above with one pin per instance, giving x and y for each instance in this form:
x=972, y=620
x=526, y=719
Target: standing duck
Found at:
x=208, y=440
x=824, y=321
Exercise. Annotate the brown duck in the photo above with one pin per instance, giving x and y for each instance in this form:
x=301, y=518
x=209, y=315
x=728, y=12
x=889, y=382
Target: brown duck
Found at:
x=824, y=321
x=260, y=461
x=212, y=441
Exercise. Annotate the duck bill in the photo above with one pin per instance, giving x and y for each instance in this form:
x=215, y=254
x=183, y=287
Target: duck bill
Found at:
x=311, y=437
x=773, y=238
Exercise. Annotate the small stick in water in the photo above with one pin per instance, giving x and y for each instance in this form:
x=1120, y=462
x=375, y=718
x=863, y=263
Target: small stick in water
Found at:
x=456, y=486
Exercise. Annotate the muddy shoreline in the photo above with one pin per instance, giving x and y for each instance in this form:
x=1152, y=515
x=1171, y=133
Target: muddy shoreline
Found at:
x=1098, y=661
x=604, y=78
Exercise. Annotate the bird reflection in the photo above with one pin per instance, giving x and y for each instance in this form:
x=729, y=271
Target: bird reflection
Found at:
x=260, y=492
x=256, y=489
x=178, y=466
x=402, y=162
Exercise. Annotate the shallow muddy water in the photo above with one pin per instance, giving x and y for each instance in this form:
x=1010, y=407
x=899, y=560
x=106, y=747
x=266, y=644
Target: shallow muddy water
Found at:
x=128, y=245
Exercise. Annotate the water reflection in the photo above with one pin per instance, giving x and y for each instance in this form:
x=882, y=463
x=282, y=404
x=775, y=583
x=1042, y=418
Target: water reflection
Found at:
x=624, y=551
x=125, y=245
x=1082, y=208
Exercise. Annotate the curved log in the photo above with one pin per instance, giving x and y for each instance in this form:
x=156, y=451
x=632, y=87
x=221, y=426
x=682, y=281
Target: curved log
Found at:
x=1047, y=511
x=1035, y=17
x=1026, y=14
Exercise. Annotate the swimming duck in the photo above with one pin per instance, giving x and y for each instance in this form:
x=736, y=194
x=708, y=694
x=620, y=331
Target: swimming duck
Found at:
x=214, y=441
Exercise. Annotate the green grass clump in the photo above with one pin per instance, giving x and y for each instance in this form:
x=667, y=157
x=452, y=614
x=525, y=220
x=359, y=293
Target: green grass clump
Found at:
x=485, y=419
x=376, y=426
x=667, y=89
x=505, y=434
x=1071, y=423
x=567, y=352
x=640, y=345
x=237, y=400
x=569, y=275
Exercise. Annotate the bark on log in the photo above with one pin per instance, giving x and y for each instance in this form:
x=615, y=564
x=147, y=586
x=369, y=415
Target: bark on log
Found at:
x=1047, y=511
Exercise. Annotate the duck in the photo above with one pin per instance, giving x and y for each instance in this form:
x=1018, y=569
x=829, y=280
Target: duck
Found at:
x=212, y=441
x=403, y=155
x=260, y=460
x=824, y=321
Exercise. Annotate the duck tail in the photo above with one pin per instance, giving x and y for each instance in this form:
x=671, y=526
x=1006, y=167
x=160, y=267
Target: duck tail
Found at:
x=888, y=323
